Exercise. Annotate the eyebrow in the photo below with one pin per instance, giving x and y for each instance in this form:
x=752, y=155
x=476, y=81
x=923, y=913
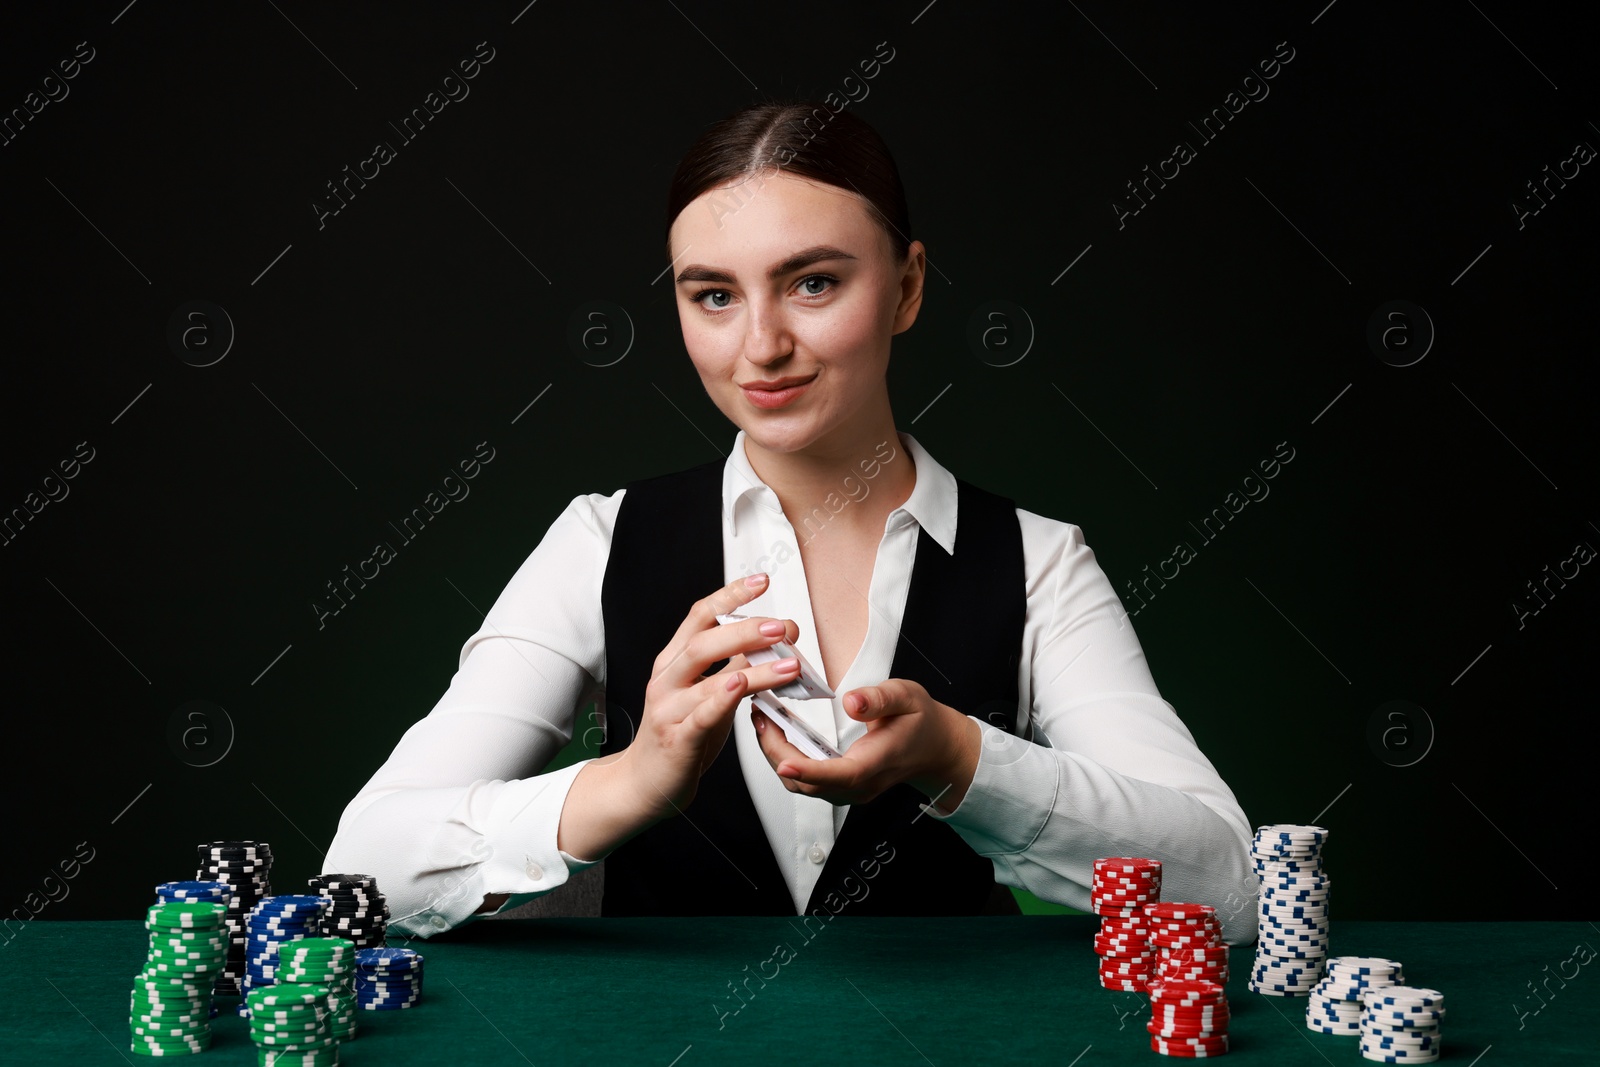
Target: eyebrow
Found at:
x=799, y=261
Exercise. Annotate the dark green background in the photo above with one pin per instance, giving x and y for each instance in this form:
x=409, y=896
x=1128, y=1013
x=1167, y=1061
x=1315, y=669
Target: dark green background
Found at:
x=1190, y=343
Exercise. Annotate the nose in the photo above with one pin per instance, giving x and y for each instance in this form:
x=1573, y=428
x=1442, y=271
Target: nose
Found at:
x=767, y=339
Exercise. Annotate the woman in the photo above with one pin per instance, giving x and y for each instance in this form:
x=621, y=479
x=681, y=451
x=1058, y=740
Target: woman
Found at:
x=998, y=721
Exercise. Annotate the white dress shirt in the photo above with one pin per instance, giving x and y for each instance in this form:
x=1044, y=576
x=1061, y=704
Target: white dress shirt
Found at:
x=460, y=809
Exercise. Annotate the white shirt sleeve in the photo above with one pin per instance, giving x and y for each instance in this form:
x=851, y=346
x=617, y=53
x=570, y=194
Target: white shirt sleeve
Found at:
x=460, y=810
x=1112, y=771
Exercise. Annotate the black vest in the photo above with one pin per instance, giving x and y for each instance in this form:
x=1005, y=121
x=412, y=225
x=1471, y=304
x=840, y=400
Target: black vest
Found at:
x=961, y=637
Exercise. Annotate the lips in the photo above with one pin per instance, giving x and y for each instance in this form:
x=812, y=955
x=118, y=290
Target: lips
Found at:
x=777, y=384
x=763, y=395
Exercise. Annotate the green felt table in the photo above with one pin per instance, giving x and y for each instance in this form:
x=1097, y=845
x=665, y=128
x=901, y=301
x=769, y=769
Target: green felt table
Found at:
x=861, y=990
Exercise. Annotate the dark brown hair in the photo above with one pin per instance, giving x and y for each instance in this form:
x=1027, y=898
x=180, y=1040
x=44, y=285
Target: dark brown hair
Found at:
x=803, y=138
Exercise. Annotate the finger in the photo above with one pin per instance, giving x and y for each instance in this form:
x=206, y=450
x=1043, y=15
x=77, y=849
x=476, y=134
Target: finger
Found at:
x=720, y=693
x=875, y=702
x=701, y=641
x=815, y=777
x=719, y=696
x=775, y=744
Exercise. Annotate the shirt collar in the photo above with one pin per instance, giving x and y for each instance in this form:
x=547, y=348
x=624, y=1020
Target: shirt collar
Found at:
x=932, y=503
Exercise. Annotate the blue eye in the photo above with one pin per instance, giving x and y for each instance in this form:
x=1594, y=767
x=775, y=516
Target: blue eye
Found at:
x=699, y=298
x=831, y=281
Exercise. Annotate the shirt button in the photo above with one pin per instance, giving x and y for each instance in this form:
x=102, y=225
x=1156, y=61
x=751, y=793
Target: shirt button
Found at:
x=818, y=854
x=440, y=922
x=535, y=871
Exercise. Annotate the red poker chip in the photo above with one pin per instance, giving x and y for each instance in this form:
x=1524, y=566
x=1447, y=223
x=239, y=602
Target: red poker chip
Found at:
x=1197, y=953
x=1181, y=1016
x=1188, y=1028
x=1187, y=1051
x=1142, y=940
x=1181, y=990
x=1134, y=862
x=1183, y=1035
x=1112, y=910
x=1216, y=1041
x=1136, y=950
x=1127, y=971
x=1183, y=925
x=1102, y=886
x=1219, y=977
x=1200, y=939
x=1176, y=1013
x=1167, y=976
x=1200, y=935
x=1157, y=942
x=1173, y=909
x=1122, y=985
x=1122, y=936
x=1127, y=952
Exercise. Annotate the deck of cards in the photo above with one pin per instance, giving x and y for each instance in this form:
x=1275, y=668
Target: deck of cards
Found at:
x=810, y=685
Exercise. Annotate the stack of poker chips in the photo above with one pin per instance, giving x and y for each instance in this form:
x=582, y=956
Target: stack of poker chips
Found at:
x=357, y=910
x=324, y=961
x=1334, y=1006
x=205, y=893
x=272, y=922
x=289, y=1024
x=1189, y=1018
x=245, y=867
x=1293, y=939
x=1123, y=885
x=388, y=979
x=169, y=1010
x=1400, y=1024
x=1188, y=940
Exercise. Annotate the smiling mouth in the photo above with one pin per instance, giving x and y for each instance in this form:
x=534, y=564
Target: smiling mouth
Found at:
x=777, y=385
x=768, y=397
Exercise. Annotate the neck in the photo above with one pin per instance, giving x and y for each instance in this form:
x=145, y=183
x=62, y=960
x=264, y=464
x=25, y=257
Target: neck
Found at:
x=853, y=480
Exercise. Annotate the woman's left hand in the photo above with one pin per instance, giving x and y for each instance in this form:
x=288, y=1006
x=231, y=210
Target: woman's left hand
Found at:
x=910, y=738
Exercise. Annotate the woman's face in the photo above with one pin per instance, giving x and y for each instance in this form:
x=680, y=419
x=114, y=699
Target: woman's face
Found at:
x=782, y=279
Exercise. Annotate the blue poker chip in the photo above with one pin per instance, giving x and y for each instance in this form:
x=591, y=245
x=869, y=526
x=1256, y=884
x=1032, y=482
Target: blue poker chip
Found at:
x=211, y=892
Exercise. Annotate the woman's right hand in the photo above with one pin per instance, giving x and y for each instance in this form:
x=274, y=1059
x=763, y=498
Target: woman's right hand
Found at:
x=687, y=716
x=684, y=725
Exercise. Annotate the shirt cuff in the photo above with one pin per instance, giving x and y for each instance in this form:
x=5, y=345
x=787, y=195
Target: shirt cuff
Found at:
x=514, y=848
x=1012, y=795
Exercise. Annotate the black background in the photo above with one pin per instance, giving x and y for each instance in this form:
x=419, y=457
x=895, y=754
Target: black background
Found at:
x=373, y=354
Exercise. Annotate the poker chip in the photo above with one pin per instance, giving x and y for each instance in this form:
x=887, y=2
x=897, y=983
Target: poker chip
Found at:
x=1122, y=887
x=1398, y=1023
x=1334, y=1005
x=1192, y=1048
x=1292, y=932
x=357, y=910
x=290, y=1023
x=326, y=961
x=169, y=1002
x=244, y=867
x=272, y=923
x=390, y=979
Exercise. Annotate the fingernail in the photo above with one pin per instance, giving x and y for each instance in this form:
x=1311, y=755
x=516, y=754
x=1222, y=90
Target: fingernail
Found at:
x=755, y=579
x=761, y=724
x=773, y=628
x=789, y=664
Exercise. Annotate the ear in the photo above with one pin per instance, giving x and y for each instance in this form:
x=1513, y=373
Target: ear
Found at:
x=912, y=276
